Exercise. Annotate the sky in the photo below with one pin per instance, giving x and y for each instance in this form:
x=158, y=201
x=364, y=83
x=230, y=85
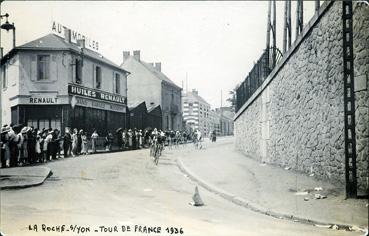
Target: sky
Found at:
x=210, y=44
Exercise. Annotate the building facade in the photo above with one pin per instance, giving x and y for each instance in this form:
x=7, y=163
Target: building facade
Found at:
x=226, y=123
x=196, y=112
x=214, y=121
x=53, y=83
x=146, y=83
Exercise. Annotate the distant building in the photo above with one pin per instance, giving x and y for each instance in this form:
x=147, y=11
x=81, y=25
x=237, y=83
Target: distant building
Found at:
x=226, y=125
x=214, y=121
x=196, y=112
x=52, y=82
x=147, y=83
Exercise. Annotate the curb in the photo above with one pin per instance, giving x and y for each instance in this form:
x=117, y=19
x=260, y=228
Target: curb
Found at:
x=27, y=185
x=259, y=209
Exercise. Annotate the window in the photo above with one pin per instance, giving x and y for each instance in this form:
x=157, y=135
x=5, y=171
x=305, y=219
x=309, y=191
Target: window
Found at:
x=5, y=82
x=78, y=71
x=98, y=77
x=117, y=83
x=190, y=108
x=43, y=67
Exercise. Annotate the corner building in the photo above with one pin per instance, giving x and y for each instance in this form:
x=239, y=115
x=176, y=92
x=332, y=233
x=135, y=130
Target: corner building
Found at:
x=52, y=82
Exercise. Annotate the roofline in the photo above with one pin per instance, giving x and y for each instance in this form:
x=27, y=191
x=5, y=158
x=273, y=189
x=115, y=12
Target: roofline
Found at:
x=143, y=64
x=12, y=52
x=171, y=84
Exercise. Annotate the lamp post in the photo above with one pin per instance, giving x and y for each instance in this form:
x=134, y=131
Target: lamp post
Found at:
x=6, y=26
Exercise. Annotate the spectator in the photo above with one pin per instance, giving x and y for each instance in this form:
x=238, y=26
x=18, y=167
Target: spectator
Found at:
x=31, y=145
x=79, y=141
x=4, y=145
x=94, y=137
x=130, y=142
x=124, y=139
x=13, y=147
x=108, y=141
x=47, y=145
x=38, y=146
x=67, y=142
x=84, y=143
x=74, y=142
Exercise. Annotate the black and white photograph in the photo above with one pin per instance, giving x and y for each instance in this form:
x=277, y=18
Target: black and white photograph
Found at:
x=194, y=118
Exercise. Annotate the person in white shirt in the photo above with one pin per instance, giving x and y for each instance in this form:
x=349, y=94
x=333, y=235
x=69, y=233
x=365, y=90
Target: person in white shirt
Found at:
x=47, y=142
x=94, y=137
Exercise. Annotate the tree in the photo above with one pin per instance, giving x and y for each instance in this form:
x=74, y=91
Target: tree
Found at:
x=232, y=99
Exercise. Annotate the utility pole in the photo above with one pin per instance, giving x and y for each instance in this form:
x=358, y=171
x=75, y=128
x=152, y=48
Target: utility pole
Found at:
x=317, y=5
x=299, y=17
x=268, y=37
x=271, y=26
x=274, y=53
x=287, y=26
x=186, y=82
x=221, y=111
x=1, y=77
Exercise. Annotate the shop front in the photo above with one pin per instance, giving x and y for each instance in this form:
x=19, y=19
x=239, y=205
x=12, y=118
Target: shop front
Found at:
x=40, y=110
x=92, y=109
x=83, y=108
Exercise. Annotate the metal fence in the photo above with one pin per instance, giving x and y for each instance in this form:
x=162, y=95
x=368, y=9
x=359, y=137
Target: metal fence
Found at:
x=257, y=75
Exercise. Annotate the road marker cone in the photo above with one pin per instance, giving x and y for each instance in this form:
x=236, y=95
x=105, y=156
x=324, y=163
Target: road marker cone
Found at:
x=197, y=201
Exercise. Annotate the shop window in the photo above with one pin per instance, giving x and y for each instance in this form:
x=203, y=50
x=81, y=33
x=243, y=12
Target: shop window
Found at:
x=78, y=71
x=44, y=124
x=43, y=67
x=117, y=83
x=98, y=77
x=32, y=123
x=55, y=124
x=4, y=80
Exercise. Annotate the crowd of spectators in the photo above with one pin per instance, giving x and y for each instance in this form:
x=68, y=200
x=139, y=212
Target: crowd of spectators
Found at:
x=23, y=145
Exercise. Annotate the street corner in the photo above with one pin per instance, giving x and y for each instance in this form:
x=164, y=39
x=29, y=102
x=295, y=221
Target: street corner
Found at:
x=23, y=177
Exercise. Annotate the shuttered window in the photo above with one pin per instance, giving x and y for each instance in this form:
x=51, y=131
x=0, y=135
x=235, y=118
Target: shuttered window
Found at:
x=5, y=81
x=98, y=77
x=117, y=83
x=43, y=67
x=78, y=71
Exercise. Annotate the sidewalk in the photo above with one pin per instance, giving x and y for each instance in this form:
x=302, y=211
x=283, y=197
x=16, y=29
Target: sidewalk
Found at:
x=272, y=190
x=23, y=177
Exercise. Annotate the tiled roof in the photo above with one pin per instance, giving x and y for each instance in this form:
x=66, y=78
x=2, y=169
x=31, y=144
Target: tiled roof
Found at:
x=159, y=75
x=54, y=42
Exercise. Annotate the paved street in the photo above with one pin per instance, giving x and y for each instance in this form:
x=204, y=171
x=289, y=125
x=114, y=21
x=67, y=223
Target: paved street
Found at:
x=127, y=189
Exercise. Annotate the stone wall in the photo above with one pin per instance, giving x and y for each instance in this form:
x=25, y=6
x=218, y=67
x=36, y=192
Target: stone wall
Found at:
x=361, y=62
x=296, y=118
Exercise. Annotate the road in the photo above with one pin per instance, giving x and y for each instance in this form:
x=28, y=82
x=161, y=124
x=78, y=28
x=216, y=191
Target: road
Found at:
x=127, y=189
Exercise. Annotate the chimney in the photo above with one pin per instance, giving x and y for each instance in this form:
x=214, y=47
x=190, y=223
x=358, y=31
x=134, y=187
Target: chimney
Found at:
x=67, y=35
x=158, y=66
x=136, y=55
x=126, y=54
x=194, y=91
